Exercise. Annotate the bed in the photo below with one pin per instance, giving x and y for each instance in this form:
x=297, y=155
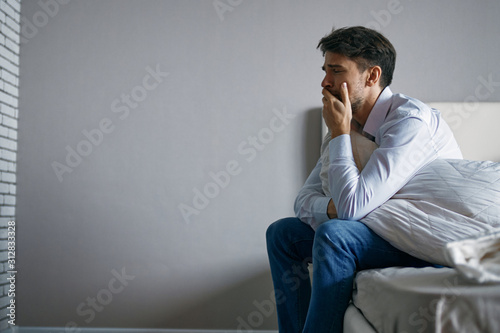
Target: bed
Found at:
x=465, y=298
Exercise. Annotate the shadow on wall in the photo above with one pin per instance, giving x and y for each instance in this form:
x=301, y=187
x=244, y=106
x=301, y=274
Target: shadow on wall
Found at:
x=250, y=302
x=312, y=142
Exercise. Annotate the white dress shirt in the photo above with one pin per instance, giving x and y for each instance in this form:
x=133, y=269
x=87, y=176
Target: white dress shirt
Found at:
x=409, y=134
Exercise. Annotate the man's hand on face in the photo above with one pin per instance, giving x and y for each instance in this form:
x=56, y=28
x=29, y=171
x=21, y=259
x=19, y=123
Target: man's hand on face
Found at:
x=337, y=113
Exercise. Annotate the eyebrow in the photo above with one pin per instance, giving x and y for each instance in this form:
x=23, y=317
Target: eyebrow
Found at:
x=332, y=66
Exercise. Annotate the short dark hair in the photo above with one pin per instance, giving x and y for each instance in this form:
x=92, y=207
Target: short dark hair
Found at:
x=365, y=46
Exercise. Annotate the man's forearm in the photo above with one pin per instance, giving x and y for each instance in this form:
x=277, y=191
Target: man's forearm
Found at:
x=331, y=210
x=390, y=167
x=312, y=208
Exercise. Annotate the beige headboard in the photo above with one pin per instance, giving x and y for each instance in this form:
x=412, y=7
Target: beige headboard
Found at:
x=476, y=128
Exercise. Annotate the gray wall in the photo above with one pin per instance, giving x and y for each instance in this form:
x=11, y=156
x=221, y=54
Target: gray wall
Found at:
x=113, y=230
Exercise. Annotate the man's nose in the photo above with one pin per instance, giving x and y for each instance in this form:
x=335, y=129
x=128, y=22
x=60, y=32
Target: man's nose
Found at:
x=326, y=82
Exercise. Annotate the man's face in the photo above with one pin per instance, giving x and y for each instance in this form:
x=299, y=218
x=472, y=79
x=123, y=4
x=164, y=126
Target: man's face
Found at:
x=338, y=69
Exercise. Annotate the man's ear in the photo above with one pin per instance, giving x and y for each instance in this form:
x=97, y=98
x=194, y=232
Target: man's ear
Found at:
x=374, y=74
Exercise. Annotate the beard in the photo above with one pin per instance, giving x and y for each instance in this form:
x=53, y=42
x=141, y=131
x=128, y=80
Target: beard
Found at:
x=356, y=104
x=356, y=97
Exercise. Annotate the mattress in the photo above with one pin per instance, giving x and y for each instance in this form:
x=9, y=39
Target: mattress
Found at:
x=406, y=300
x=355, y=322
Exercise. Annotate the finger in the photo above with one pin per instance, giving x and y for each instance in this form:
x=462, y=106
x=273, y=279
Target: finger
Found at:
x=327, y=94
x=344, y=93
x=325, y=98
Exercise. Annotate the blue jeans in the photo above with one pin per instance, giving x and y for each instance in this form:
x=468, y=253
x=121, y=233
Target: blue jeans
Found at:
x=338, y=249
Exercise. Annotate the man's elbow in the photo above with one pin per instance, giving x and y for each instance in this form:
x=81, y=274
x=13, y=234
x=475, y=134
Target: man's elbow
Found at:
x=348, y=217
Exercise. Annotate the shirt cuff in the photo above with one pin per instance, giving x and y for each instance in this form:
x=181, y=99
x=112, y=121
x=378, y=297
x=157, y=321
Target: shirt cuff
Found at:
x=320, y=209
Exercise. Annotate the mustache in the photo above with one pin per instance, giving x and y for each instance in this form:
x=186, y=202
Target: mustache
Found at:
x=335, y=94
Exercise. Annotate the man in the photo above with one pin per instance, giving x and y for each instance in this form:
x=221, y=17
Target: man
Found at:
x=359, y=65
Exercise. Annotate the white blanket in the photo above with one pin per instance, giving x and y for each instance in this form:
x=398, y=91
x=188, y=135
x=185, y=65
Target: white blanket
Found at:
x=448, y=214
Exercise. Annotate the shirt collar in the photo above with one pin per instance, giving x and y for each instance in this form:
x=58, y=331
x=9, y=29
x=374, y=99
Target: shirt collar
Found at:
x=379, y=112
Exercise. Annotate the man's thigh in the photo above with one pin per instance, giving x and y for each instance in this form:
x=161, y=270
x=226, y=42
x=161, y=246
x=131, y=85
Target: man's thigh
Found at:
x=355, y=239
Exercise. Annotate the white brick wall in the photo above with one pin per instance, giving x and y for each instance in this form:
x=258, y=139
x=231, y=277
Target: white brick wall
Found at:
x=9, y=91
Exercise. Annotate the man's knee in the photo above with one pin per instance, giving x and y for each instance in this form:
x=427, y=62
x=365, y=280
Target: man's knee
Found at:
x=283, y=233
x=333, y=229
x=273, y=230
x=277, y=231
